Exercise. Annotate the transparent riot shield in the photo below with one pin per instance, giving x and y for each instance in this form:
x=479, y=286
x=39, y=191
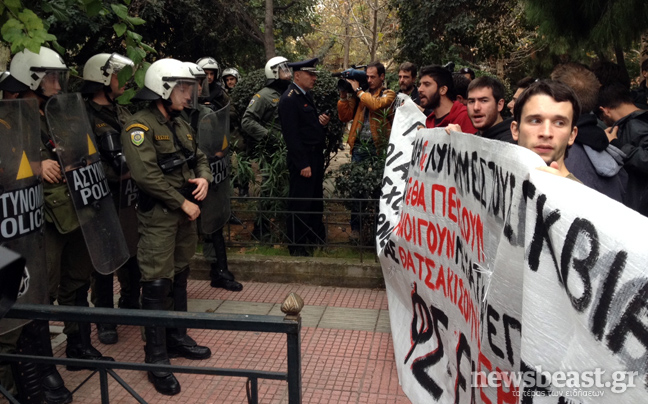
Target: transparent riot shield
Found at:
x=21, y=199
x=76, y=149
x=213, y=140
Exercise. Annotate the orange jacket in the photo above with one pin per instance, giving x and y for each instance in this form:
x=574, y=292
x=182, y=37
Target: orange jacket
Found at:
x=378, y=103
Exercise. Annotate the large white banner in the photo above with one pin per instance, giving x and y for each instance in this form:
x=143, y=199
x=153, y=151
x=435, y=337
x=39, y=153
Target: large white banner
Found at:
x=505, y=283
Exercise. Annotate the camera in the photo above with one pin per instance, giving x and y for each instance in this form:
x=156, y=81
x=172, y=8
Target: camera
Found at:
x=354, y=74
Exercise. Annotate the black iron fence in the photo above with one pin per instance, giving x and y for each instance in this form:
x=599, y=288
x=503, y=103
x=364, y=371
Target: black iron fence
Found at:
x=264, y=221
x=289, y=325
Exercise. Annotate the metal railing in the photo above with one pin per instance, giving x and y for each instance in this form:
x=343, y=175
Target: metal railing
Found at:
x=264, y=221
x=289, y=325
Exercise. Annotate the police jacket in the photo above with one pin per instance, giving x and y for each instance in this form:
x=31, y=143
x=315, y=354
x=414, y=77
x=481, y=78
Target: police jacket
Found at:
x=379, y=104
x=59, y=208
x=149, y=138
x=261, y=113
x=107, y=120
x=300, y=126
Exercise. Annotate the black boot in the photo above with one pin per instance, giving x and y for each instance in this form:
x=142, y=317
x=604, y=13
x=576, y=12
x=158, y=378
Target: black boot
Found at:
x=220, y=275
x=155, y=296
x=38, y=383
x=178, y=342
x=79, y=344
x=129, y=279
x=103, y=297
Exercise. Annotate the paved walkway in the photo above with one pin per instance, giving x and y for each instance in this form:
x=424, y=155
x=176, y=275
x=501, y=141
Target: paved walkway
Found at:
x=347, y=350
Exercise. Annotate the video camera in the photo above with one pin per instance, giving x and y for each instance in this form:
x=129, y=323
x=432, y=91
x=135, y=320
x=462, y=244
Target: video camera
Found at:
x=354, y=73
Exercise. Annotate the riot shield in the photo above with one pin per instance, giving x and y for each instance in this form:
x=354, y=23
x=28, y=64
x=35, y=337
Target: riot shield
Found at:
x=213, y=140
x=21, y=199
x=76, y=149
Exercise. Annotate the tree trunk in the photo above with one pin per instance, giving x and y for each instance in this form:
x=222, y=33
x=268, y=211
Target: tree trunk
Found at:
x=618, y=52
x=268, y=35
x=374, y=38
x=347, y=35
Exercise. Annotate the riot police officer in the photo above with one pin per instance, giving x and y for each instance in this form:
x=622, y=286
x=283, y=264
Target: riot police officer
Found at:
x=172, y=176
x=262, y=115
x=218, y=198
x=41, y=76
x=262, y=112
x=231, y=78
x=101, y=87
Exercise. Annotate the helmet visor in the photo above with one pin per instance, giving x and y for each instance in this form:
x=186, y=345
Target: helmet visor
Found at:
x=184, y=95
x=284, y=72
x=203, y=86
x=116, y=63
x=120, y=65
x=54, y=82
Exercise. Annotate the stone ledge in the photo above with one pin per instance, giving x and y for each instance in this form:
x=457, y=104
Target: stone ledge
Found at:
x=305, y=270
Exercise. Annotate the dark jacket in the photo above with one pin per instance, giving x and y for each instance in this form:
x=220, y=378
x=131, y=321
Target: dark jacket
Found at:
x=300, y=127
x=632, y=138
x=595, y=162
x=500, y=131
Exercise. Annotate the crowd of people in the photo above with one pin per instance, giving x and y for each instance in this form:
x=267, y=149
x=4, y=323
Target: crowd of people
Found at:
x=586, y=124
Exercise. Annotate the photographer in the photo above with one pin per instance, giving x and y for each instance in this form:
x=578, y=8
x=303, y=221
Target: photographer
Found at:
x=371, y=114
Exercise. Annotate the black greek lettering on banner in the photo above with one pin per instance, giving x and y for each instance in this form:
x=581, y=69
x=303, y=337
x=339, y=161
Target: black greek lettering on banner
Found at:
x=219, y=169
x=88, y=184
x=22, y=212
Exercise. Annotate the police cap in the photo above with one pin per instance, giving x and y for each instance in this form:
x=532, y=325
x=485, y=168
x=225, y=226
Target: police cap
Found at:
x=305, y=66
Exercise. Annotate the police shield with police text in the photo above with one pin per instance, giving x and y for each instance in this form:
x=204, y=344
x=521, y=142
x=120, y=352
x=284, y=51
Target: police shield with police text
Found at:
x=21, y=199
x=213, y=140
x=86, y=180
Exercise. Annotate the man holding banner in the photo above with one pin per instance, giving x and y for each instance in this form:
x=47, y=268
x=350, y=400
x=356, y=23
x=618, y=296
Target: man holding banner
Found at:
x=544, y=121
x=506, y=284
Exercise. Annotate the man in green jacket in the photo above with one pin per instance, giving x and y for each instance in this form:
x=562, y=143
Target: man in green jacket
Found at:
x=172, y=175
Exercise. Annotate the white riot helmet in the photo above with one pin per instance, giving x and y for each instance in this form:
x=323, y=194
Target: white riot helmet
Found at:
x=230, y=71
x=29, y=69
x=201, y=77
x=161, y=78
x=275, y=65
x=209, y=63
x=101, y=67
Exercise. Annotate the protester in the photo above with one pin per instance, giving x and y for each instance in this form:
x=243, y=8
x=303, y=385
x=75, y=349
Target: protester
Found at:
x=592, y=159
x=544, y=120
x=437, y=92
x=628, y=131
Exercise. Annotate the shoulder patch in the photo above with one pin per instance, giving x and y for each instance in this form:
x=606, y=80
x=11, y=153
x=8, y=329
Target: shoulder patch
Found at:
x=137, y=137
x=137, y=125
x=252, y=101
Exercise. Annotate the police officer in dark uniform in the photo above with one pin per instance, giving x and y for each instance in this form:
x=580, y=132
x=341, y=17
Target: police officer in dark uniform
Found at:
x=304, y=133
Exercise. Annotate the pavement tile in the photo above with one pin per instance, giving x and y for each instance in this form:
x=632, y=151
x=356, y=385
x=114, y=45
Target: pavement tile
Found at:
x=235, y=307
x=383, y=324
x=347, y=350
x=349, y=319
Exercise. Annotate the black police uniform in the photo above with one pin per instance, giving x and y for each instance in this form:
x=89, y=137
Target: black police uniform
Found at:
x=305, y=140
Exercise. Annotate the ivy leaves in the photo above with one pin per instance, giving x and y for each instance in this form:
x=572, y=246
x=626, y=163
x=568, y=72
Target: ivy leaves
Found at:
x=23, y=29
